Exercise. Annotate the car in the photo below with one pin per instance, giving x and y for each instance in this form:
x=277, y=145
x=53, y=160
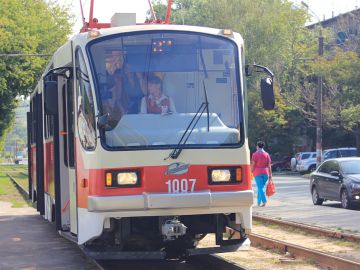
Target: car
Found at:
x=306, y=162
x=340, y=152
x=293, y=161
x=282, y=165
x=337, y=179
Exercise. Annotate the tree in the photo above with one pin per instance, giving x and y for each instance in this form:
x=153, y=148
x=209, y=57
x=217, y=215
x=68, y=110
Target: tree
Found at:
x=26, y=27
x=342, y=109
x=275, y=36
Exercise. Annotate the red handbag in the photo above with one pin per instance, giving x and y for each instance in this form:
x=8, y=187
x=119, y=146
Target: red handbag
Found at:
x=270, y=188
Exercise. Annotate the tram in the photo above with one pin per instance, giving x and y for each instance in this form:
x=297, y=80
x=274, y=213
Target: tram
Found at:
x=109, y=174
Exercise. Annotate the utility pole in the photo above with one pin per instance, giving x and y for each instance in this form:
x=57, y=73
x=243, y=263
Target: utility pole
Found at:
x=319, y=104
x=319, y=92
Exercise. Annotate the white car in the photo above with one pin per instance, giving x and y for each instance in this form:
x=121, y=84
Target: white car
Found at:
x=306, y=162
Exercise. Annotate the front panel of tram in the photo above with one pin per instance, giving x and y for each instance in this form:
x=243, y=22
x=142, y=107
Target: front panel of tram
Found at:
x=164, y=99
x=178, y=91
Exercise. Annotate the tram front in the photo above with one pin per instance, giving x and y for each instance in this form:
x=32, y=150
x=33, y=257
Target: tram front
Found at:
x=163, y=135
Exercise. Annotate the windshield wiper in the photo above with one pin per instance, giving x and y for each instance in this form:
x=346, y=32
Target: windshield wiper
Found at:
x=207, y=107
x=177, y=150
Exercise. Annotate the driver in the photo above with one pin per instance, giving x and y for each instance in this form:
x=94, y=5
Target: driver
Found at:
x=156, y=102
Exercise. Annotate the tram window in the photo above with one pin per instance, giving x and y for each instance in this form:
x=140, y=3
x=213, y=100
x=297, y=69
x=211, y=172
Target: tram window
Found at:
x=70, y=122
x=33, y=121
x=65, y=126
x=49, y=126
x=85, y=105
x=194, y=69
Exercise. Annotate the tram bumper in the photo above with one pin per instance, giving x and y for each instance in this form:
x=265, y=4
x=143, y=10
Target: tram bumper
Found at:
x=100, y=209
x=149, y=201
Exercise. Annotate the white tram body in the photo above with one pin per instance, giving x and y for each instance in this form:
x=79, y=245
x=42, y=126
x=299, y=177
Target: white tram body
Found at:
x=166, y=178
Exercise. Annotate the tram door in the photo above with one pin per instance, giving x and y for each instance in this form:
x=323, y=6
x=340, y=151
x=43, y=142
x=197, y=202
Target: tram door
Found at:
x=36, y=154
x=67, y=155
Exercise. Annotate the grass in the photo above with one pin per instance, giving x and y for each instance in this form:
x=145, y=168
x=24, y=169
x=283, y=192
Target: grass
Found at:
x=21, y=178
x=8, y=191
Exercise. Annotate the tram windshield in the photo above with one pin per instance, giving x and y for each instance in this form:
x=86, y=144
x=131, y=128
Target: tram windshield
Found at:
x=152, y=84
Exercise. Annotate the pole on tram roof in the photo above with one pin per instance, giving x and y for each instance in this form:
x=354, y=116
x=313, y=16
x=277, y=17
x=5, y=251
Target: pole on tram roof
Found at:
x=152, y=12
x=91, y=11
x=168, y=11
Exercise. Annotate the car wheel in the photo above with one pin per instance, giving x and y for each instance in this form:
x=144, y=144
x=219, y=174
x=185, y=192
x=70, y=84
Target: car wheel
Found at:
x=315, y=197
x=312, y=168
x=345, y=201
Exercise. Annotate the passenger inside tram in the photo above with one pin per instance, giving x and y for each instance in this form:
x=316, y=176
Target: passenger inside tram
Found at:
x=135, y=87
x=156, y=102
x=116, y=105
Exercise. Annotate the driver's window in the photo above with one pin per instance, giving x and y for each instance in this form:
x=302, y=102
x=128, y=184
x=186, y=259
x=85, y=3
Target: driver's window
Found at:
x=324, y=167
x=85, y=105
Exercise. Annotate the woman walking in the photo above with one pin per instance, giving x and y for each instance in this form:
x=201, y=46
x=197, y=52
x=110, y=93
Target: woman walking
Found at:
x=261, y=169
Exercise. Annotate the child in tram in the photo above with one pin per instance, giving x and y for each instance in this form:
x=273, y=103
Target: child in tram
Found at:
x=156, y=102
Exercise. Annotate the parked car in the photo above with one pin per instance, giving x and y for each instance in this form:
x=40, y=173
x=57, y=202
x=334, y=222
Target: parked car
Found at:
x=282, y=165
x=293, y=162
x=338, y=180
x=306, y=162
x=340, y=152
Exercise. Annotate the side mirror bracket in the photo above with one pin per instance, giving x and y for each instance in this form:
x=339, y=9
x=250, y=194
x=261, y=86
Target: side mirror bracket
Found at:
x=266, y=84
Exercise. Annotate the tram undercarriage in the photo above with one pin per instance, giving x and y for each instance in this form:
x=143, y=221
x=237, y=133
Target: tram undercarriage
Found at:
x=166, y=237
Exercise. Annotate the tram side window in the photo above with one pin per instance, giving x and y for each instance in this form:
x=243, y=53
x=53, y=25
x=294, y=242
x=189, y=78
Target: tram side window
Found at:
x=49, y=126
x=32, y=123
x=85, y=105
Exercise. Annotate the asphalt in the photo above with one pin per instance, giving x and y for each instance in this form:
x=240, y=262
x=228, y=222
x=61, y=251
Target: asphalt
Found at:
x=27, y=241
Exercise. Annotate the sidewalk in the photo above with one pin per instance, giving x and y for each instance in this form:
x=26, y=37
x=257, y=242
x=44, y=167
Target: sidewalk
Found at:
x=29, y=242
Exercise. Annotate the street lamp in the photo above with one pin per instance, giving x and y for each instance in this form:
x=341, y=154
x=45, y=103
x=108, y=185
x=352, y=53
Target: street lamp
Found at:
x=319, y=93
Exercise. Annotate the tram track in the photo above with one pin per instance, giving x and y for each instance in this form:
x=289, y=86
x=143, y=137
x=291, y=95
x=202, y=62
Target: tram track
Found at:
x=324, y=259
x=208, y=262
x=22, y=191
x=309, y=228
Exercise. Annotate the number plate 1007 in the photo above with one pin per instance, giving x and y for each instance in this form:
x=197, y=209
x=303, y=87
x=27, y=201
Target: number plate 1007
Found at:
x=181, y=186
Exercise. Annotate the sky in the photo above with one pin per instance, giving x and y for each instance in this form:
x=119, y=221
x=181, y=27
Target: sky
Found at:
x=104, y=9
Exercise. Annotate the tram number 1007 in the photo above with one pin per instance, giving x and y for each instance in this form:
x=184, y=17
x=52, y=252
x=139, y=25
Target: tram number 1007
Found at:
x=181, y=186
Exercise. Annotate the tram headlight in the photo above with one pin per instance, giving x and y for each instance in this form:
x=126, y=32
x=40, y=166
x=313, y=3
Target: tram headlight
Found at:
x=220, y=175
x=127, y=178
x=114, y=179
x=225, y=175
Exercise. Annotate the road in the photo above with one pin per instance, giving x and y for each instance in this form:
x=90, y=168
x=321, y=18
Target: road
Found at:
x=292, y=201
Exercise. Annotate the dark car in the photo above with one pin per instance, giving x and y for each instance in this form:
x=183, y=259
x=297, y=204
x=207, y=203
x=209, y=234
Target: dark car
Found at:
x=283, y=165
x=337, y=179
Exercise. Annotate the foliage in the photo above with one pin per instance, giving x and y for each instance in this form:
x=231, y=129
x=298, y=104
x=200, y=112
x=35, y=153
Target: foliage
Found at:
x=276, y=40
x=26, y=27
x=275, y=36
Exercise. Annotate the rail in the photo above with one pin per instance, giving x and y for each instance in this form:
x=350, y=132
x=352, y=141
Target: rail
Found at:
x=309, y=228
x=327, y=260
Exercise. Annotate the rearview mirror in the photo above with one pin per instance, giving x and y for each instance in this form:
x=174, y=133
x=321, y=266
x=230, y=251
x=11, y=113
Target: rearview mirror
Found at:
x=334, y=173
x=267, y=93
